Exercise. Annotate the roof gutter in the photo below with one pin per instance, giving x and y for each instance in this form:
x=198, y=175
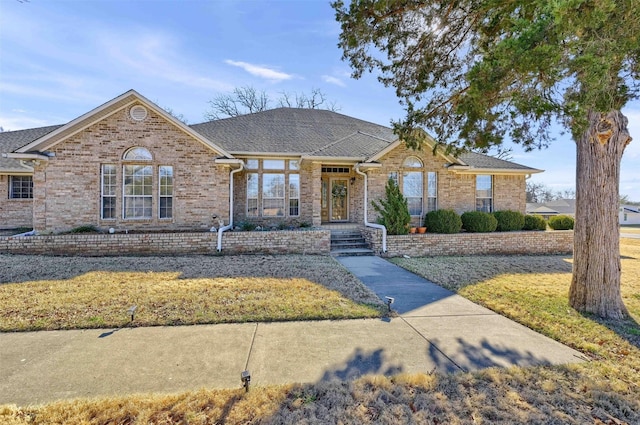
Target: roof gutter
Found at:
x=230, y=162
x=27, y=155
x=356, y=168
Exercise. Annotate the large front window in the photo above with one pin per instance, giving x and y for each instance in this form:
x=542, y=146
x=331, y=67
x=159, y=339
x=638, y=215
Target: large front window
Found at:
x=274, y=190
x=20, y=187
x=484, y=193
x=137, y=191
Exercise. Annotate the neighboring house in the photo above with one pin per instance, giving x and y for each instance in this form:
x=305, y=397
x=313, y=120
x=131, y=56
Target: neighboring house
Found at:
x=629, y=214
x=551, y=208
x=128, y=164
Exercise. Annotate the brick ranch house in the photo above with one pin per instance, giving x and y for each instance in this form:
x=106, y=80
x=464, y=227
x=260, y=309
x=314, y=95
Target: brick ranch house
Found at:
x=128, y=164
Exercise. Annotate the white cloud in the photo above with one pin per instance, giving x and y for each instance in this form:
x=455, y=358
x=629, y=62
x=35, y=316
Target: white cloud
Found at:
x=260, y=71
x=333, y=80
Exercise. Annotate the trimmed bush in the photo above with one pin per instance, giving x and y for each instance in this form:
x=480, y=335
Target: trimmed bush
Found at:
x=534, y=222
x=479, y=222
x=561, y=222
x=443, y=221
x=509, y=221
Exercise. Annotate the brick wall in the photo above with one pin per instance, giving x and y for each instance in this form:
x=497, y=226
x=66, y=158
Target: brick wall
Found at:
x=67, y=187
x=433, y=244
x=281, y=242
x=14, y=212
x=455, y=191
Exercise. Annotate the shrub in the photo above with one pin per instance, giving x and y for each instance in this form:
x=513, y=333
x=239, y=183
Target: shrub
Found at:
x=509, y=220
x=478, y=222
x=246, y=226
x=84, y=229
x=393, y=210
x=561, y=222
x=534, y=222
x=443, y=221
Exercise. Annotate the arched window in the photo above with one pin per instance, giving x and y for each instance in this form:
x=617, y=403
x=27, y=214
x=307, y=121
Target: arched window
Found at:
x=137, y=154
x=412, y=184
x=412, y=162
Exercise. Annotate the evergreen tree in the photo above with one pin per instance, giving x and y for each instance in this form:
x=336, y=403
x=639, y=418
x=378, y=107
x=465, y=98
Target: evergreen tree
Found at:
x=393, y=210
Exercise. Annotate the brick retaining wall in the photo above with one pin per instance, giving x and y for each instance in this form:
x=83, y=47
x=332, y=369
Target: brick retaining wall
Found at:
x=276, y=242
x=432, y=244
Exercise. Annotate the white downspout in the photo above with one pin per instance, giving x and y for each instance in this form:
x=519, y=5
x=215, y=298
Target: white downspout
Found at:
x=230, y=225
x=366, y=203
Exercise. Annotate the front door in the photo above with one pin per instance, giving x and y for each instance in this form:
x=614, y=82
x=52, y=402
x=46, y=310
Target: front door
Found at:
x=339, y=195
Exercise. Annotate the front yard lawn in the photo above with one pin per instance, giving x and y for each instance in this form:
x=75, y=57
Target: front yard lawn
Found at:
x=532, y=290
x=45, y=293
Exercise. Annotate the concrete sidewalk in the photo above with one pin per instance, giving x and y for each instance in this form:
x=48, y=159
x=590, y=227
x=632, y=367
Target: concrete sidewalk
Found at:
x=437, y=330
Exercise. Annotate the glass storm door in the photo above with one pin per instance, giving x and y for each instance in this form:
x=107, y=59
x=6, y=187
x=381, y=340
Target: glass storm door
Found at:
x=339, y=199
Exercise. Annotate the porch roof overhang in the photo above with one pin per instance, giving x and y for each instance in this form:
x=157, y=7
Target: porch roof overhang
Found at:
x=233, y=163
x=28, y=156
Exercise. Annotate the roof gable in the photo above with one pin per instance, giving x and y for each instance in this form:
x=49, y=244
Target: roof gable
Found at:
x=47, y=141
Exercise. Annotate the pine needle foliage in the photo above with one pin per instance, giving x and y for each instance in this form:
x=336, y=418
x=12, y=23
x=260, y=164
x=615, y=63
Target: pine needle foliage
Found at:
x=393, y=210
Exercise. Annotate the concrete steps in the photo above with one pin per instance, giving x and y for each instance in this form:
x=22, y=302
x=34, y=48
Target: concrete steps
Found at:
x=350, y=242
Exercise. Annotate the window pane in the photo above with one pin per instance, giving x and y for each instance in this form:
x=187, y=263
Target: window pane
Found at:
x=393, y=176
x=294, y=185
x=252, y=207
x=294, y=164
x=412, y=162
x=294, y=194
x=273, y=207
x=412, y=184
x=415, y=206
x=165, y=205
x=273, y=186
x=252, y=164
x=138, y=154
x=20, y=187
x=294, y=207
x=108, y=201
x=273, y=164
x=432, y=182
x=137, y=189
x=484, y=193
x=483, y=204
x=252, y=185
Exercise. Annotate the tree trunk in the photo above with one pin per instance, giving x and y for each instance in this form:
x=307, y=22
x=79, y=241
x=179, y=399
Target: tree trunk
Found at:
x=595, y=286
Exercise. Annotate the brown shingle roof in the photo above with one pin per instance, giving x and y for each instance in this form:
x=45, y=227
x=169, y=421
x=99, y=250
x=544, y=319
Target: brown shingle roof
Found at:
x=12, y=140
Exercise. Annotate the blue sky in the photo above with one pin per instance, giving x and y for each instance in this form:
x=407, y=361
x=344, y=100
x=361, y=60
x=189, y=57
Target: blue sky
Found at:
x=60, y=59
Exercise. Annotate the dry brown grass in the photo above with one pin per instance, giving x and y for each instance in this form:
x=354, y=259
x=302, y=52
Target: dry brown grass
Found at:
x=532, y=290
x=40, y=292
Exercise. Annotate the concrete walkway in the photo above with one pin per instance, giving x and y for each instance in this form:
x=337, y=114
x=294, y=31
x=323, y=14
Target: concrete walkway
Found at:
x=437, y=330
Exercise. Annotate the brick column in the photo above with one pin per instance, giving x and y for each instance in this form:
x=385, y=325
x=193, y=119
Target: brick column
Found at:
x=316, y=193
